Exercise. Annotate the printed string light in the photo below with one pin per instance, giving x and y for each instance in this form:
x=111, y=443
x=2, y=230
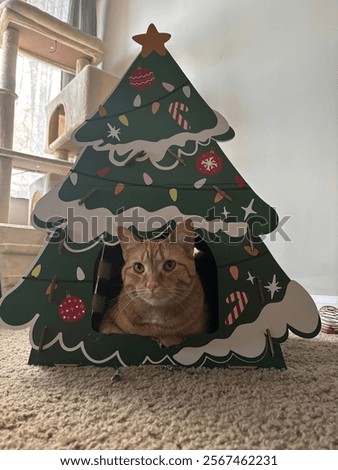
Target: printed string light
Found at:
x=251, y=248
x=104, y=114
x=222, y=194
x=87, y=196
x=72, y=281
x=183, y=187
x=173, y=192
x=243, y=260
x=51, y=289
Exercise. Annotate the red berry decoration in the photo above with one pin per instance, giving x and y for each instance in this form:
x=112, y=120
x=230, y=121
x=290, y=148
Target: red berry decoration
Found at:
x=240, y=181
x=71, y=308
x=209, y=163
x=142, y=78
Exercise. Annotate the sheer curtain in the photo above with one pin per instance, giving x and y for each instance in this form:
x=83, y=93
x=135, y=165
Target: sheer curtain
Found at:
x=82, y=15
x=37, y=84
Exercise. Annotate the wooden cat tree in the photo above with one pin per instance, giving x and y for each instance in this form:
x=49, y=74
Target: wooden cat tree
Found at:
x=151, y=159
x=33, y=32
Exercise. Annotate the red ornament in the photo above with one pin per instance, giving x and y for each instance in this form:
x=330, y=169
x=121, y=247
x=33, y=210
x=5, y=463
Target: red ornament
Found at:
x=142, y=78
x=240, y=181
x=209, y=163
x=71, y=308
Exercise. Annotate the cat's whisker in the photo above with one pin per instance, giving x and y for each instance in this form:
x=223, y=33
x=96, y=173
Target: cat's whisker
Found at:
x=122, y=298
x=178, y=302
x=130, y=299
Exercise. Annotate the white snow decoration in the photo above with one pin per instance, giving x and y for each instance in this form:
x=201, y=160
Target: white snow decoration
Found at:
x=296, y=310
x=200, y=183
x=100, y=220
x=59, y=339
x=155, y=151
x=137, y=101
x=187, y=91
x=80, y=275
x=73, y=178
x=168, y=86
x=148, y=360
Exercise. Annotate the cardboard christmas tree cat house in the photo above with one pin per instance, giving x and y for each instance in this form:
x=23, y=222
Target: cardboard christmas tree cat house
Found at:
x=150, y=160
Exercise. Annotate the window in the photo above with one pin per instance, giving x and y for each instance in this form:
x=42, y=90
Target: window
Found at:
x=36, y=84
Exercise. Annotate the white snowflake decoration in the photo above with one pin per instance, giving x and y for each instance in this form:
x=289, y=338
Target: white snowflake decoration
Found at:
x=209, y=163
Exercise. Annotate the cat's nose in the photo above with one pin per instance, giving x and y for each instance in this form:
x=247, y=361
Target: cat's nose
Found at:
x=152, y=285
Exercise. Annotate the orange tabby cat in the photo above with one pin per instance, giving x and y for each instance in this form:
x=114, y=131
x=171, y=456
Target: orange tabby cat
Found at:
x=162, y=295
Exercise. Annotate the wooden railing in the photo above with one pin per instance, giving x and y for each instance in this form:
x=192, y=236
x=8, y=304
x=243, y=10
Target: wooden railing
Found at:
x=30, y=162
x=27, y=162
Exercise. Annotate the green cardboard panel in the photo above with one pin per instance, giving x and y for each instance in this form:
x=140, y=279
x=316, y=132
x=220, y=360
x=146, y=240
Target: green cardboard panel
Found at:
x=151, y=160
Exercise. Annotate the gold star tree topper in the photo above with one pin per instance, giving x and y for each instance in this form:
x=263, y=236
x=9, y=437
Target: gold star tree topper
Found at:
x=152, y=40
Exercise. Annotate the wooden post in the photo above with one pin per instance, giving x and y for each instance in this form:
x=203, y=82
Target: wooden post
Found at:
x=7, y=107
x=81, y=63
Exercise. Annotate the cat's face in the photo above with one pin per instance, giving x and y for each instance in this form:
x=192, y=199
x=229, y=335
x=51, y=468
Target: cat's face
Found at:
x=158, y=271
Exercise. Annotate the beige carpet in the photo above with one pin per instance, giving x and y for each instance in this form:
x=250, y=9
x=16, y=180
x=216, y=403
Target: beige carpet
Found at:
x=158, y=408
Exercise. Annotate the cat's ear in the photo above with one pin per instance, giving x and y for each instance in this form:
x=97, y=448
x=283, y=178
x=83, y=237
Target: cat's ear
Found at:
x=184, y=234
x=127, y=239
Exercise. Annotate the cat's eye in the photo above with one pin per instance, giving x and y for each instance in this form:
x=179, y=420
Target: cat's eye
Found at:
x=139, y=268
x=169, y=265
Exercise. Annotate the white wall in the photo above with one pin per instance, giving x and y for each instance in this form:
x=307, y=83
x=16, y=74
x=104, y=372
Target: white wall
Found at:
x=269, y=67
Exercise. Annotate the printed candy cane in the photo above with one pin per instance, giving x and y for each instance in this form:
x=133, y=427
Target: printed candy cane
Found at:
x=242, y=301
x=176, y=106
